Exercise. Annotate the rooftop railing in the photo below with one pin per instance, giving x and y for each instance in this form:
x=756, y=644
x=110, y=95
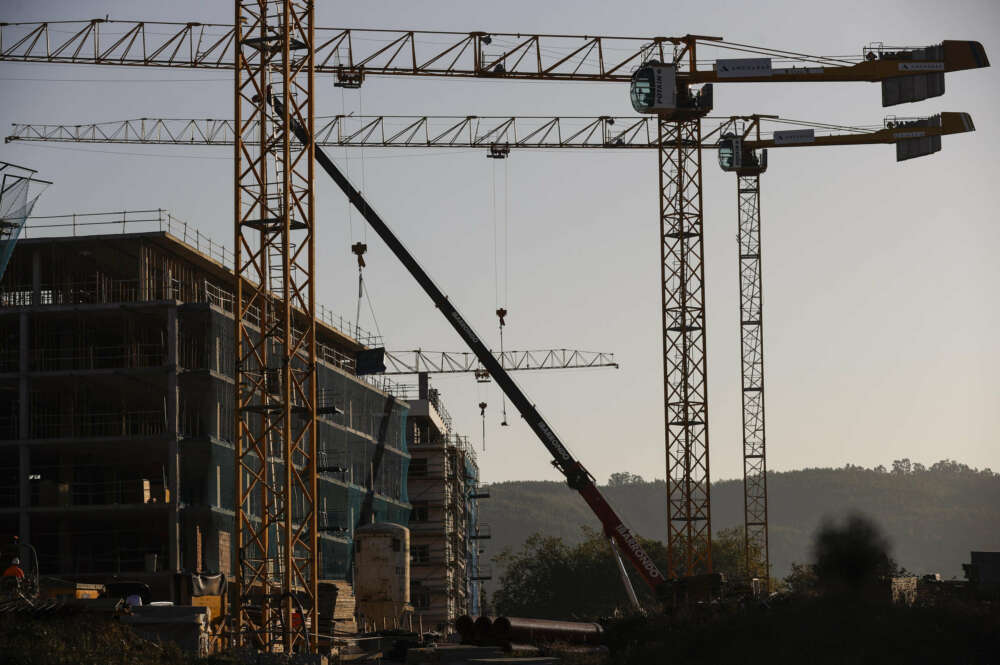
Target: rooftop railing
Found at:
x=127, y=221
x=158, y=219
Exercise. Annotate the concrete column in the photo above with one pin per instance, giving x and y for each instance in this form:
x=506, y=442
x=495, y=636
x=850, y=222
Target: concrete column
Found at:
x=23, y=431
x=173, y=452
x=140, y=273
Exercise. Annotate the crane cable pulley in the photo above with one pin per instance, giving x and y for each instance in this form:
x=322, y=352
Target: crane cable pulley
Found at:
x=501, y=311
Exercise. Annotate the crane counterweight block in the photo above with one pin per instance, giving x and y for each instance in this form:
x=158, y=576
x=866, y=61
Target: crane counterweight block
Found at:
x=959, y=55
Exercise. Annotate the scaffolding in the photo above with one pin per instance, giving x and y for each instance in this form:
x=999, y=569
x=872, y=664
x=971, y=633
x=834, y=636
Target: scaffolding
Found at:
x=446, y=537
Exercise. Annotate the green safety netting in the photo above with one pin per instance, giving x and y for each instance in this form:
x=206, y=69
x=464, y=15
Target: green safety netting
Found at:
x=349, y=441
x=18, y=194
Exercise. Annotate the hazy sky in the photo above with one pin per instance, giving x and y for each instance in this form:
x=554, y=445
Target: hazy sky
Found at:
x=880, y=278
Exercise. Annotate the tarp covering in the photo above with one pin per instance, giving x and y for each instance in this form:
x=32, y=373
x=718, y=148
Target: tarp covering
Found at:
x=206, y=584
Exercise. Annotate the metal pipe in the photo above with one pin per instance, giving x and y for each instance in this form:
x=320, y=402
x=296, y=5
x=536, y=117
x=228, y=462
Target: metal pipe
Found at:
x=466, y=627
x=516, y=629
x=484, y=628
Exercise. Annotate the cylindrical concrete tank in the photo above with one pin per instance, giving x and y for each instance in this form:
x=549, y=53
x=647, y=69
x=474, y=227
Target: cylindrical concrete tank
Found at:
x=382, y=574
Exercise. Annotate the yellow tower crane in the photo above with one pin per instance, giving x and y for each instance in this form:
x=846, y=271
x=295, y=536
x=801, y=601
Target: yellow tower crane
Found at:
x=276, y=50
x=742, y=149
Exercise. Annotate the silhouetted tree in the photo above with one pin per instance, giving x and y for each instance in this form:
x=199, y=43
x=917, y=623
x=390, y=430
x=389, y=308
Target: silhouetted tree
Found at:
x=802, y=579
x=624, y=478
x=550, y=579
x=850, y=556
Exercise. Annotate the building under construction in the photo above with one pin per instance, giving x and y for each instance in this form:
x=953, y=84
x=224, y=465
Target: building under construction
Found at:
x=116, y=410
x=446, y=537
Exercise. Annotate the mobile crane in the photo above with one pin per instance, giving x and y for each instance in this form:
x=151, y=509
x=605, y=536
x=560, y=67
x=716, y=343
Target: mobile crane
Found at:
x=577, y=477
x=621, y=538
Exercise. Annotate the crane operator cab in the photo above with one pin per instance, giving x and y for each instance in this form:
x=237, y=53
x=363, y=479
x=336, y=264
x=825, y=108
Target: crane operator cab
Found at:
x=655, y=90
x=736, y=158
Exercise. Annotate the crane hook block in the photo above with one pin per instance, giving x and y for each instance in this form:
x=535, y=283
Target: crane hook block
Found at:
x=501, y=313
x=360, y=248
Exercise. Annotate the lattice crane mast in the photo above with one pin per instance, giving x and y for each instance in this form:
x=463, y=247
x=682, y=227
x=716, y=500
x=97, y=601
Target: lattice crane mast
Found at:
x=662, y=86
x=743, y=151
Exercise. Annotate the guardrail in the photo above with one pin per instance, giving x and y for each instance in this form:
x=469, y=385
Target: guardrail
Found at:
x=124, y=423
x=139, y=491
x=123, y=356
x=137, y=221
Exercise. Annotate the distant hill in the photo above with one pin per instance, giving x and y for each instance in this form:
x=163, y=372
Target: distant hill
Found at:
x=933, y=516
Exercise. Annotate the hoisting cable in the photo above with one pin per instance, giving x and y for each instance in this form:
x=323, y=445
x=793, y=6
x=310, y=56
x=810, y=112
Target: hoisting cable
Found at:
x=482, y=414
x=364, y=185
x=493, y=213
x=347, y=168
x=501, y=310
x=371, y=308
x=359, y=248
x=501, y=313
x=506, y=231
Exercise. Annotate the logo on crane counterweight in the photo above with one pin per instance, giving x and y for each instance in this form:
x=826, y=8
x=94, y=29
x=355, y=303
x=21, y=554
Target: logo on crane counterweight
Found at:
x=921, y=66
